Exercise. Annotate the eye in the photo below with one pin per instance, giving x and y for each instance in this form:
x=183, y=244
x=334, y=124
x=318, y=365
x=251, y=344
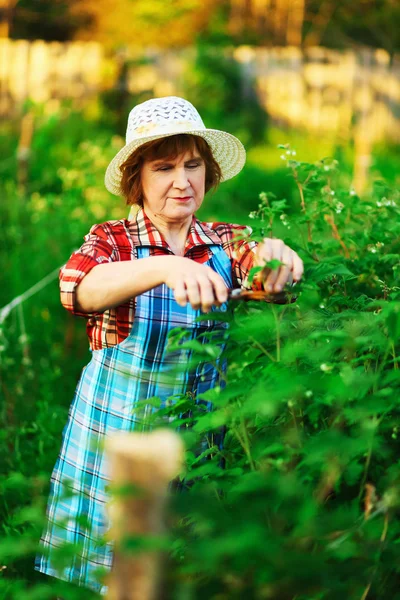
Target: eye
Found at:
x=166, y=168
x=193, y=165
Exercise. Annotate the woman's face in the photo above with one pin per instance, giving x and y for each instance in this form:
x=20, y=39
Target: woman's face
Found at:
x=173, y=189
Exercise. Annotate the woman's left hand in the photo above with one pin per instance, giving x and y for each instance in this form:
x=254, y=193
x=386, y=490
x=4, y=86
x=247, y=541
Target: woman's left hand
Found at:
x=291, y=270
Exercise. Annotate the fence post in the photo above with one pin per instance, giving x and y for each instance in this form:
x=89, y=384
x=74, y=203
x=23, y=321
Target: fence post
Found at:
x=145, y=462
x=363, y=127
x=24, y=150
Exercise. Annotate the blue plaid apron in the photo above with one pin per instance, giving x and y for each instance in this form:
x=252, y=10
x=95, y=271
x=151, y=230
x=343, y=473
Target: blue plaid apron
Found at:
x=111, y=385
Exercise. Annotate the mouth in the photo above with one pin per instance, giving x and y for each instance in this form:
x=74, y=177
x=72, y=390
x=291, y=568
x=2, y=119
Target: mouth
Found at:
x=182, y=198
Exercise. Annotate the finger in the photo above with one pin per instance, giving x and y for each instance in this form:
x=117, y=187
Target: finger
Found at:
x=270, y=277
x=264, y=253
x=220, y=289
x=271, y=251
x=298, y=266
x=270, y=281
x=206, y=293
x=278, y=248
x=180, y=293
x=285, y=270
x=193, y=292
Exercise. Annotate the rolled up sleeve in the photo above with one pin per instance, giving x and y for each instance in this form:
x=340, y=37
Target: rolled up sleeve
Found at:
x=96, y=250
x=241, y=250
x=243, y=262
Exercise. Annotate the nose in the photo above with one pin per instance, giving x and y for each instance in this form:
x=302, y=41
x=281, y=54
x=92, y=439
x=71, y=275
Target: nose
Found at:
x=181, y=181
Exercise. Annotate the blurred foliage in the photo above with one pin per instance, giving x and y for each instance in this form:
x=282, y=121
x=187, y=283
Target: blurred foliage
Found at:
x=214, y=84
x=121, y=22
x=41, y=19
x=334, y=23
x=286, y=516
x=143, y=23
x=340, y=24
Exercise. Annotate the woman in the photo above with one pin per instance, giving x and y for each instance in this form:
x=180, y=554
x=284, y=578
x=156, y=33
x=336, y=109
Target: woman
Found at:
x=135, y=280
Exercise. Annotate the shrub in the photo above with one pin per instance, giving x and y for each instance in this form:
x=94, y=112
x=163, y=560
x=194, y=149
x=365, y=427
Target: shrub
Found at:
x=303, y=500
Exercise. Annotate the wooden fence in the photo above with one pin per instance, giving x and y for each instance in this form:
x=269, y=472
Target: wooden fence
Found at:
x=344, y=93
x=327, y=90
x=44, y=71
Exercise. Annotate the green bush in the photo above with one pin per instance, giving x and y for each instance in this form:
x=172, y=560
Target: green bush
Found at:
x=303, y=500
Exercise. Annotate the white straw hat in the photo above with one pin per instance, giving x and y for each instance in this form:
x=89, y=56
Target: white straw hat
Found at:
x=162, y=117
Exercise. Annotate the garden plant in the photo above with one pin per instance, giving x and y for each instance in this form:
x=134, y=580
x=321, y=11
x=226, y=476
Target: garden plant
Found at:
x=302, y=501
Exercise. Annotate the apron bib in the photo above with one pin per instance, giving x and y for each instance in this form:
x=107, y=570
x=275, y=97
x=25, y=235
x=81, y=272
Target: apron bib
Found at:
x=110, y=387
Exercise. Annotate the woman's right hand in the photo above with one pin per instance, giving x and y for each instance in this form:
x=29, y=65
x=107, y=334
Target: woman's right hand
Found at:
x=196, y=283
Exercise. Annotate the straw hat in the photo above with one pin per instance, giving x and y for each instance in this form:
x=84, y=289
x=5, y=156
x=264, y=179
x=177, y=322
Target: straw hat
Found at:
x=163, y=117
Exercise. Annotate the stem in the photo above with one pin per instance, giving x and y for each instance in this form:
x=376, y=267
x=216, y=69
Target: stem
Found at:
x=366, y=468
x=365, y=594
x=300, y=230
x=302, y=201
x=245, y=443
x=303, y=207
x=336, y=235
x=295, y=425
x=396, y=366
x=382, y=539
x=263, y=350
x=278, y=337
x=385, y=528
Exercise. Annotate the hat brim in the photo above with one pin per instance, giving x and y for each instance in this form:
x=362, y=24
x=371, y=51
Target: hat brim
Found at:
x=227, y=150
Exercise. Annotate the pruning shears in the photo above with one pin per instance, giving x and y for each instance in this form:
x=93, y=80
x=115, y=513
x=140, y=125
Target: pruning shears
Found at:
x=261, y=296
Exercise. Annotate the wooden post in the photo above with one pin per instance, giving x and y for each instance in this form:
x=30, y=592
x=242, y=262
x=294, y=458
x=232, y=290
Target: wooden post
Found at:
x=148, y=462
x=7, y=8
x=294, y=31
x=23, y=152
x=363, y=133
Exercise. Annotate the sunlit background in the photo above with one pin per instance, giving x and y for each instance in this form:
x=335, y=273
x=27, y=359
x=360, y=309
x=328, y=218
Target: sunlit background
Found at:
x=320, y=75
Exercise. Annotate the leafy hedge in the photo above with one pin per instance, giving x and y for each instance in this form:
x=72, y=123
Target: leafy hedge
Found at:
x=303, y=500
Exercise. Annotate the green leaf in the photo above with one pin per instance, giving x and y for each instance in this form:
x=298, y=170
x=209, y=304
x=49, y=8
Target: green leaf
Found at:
x=253, y=272
x=324, y=270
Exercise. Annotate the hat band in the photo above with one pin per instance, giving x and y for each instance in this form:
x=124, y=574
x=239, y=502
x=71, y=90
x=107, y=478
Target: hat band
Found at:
x=168, y=128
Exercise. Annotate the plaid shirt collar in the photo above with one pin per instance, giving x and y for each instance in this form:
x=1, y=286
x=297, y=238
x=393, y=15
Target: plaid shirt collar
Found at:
x=148, y=235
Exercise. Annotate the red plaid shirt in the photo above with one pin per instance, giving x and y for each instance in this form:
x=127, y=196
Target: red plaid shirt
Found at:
x=116, y=240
